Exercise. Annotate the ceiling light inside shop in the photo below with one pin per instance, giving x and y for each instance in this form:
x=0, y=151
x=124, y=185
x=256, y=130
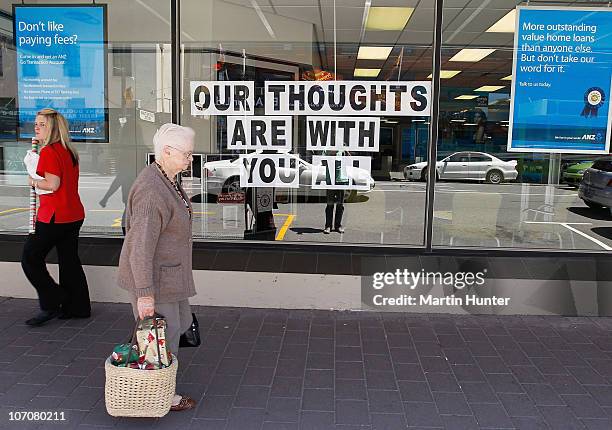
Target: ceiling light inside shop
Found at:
x=505, y=25
x=507, y=78
x=388, y=18
x=490, y=88
x=366, y=73
x=374, y=52
x=465, y=97
x=446, y=74
x=457, y=120
x=471, y=55
x=418, y=120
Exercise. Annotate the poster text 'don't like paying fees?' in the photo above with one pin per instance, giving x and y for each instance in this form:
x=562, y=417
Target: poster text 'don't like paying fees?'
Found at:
x=61, y=64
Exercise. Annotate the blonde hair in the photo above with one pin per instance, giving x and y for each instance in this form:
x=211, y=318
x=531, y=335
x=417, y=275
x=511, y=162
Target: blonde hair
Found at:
x=59, y=132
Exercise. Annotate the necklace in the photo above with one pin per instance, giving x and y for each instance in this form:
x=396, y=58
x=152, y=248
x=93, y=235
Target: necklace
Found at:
x=176, y=188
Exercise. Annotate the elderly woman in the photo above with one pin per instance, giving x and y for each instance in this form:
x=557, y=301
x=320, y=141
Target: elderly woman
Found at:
x=155, y=262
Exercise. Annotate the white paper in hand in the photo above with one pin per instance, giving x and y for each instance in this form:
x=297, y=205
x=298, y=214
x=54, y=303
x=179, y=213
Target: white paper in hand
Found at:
x=31, y=162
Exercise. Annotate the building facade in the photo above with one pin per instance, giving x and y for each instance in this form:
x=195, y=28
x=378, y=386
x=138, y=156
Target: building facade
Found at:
x=487, y=204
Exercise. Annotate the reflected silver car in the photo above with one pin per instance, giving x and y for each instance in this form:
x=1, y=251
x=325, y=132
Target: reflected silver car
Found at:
x=224, y=176
x=596, y=186
x=477, y=166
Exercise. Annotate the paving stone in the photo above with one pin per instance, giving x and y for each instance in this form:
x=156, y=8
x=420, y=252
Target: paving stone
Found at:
x=385, y=401
x=321, y=346
x=388, y=421
x=421, y=414
x=287, y=387
x=560, y=417
x=452, y=404
x=352, y=412
x=283, y=410
x=350, y=389
x=491, y=415
x=252, y=397
x=318, y=399
x=313, y=420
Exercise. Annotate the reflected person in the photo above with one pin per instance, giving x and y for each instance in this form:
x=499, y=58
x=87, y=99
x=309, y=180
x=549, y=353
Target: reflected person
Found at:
x=123, y=151
x=335, y=198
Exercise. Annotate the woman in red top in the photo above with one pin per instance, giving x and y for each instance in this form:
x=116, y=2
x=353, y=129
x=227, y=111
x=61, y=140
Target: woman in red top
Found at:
x=59, y=219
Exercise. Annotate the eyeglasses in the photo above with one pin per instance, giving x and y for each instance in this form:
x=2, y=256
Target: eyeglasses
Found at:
x=187, y=154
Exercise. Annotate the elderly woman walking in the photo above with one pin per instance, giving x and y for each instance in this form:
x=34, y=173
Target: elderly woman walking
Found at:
x=155, y=262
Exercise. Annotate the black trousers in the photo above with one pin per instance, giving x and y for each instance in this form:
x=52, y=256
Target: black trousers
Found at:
x=334, y=197
x=72, y=293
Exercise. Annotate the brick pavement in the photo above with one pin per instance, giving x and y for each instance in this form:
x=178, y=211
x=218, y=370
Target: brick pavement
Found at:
x=285, y=369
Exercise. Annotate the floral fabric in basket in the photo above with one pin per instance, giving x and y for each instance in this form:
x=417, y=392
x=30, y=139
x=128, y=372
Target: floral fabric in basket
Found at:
x=151, y=339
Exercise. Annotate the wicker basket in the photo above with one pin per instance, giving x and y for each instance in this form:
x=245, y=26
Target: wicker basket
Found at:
x=139, y=393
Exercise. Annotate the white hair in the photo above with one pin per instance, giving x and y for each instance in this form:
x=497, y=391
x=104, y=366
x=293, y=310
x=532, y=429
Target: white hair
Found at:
x=171, y=135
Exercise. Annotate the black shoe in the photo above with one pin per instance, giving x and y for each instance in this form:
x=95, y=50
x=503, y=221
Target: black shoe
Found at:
x=42, y=318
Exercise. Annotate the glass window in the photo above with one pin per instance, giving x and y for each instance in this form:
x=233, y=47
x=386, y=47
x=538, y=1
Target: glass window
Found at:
x=604, y=164
x=305, y=44
x=138, y=101
x=479, y=158
x=518, y=199
x=460, y=157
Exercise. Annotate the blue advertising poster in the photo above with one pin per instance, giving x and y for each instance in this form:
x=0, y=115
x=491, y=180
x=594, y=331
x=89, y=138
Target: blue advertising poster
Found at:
x=562, y=81
x=61, y=64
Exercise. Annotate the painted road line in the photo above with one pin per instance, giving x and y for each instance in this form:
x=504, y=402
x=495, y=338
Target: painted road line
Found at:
x=449, y=191
x=285, y=227
x=558, y=223
x=592, y=239
x=13, y=210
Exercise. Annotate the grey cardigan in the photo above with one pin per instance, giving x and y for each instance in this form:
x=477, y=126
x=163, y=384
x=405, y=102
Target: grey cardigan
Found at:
x=156, y=254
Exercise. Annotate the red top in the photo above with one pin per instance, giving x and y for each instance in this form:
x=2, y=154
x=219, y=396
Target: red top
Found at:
x=64, y=202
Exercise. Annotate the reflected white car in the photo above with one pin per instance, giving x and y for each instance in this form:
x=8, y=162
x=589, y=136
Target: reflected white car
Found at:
x=477, y=166
x=224, y=176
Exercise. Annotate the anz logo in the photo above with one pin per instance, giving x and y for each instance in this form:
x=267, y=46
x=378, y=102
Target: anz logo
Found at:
x=597, y=136
x=89, y=130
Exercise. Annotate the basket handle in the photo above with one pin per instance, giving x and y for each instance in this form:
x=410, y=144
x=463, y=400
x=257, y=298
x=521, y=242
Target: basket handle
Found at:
x=133, y=342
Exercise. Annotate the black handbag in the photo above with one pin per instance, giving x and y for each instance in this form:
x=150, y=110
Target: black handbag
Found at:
x=191, y=338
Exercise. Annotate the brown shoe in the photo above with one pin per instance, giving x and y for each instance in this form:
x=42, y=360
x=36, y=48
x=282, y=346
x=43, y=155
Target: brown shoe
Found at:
x=185, y=403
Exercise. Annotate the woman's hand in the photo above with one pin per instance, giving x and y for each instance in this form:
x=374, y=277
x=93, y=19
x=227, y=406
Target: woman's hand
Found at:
x=31, y=181
x=146, y=307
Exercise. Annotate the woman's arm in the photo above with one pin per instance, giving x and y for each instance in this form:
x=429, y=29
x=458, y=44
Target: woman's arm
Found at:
x=50, y=183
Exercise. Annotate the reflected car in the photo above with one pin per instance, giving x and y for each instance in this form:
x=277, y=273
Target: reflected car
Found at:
x=596, y=186
x=224, y=176
x=477, y=166
x=573, y=174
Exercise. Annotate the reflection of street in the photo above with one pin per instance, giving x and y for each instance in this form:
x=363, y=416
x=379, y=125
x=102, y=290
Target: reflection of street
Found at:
x=523, y=215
